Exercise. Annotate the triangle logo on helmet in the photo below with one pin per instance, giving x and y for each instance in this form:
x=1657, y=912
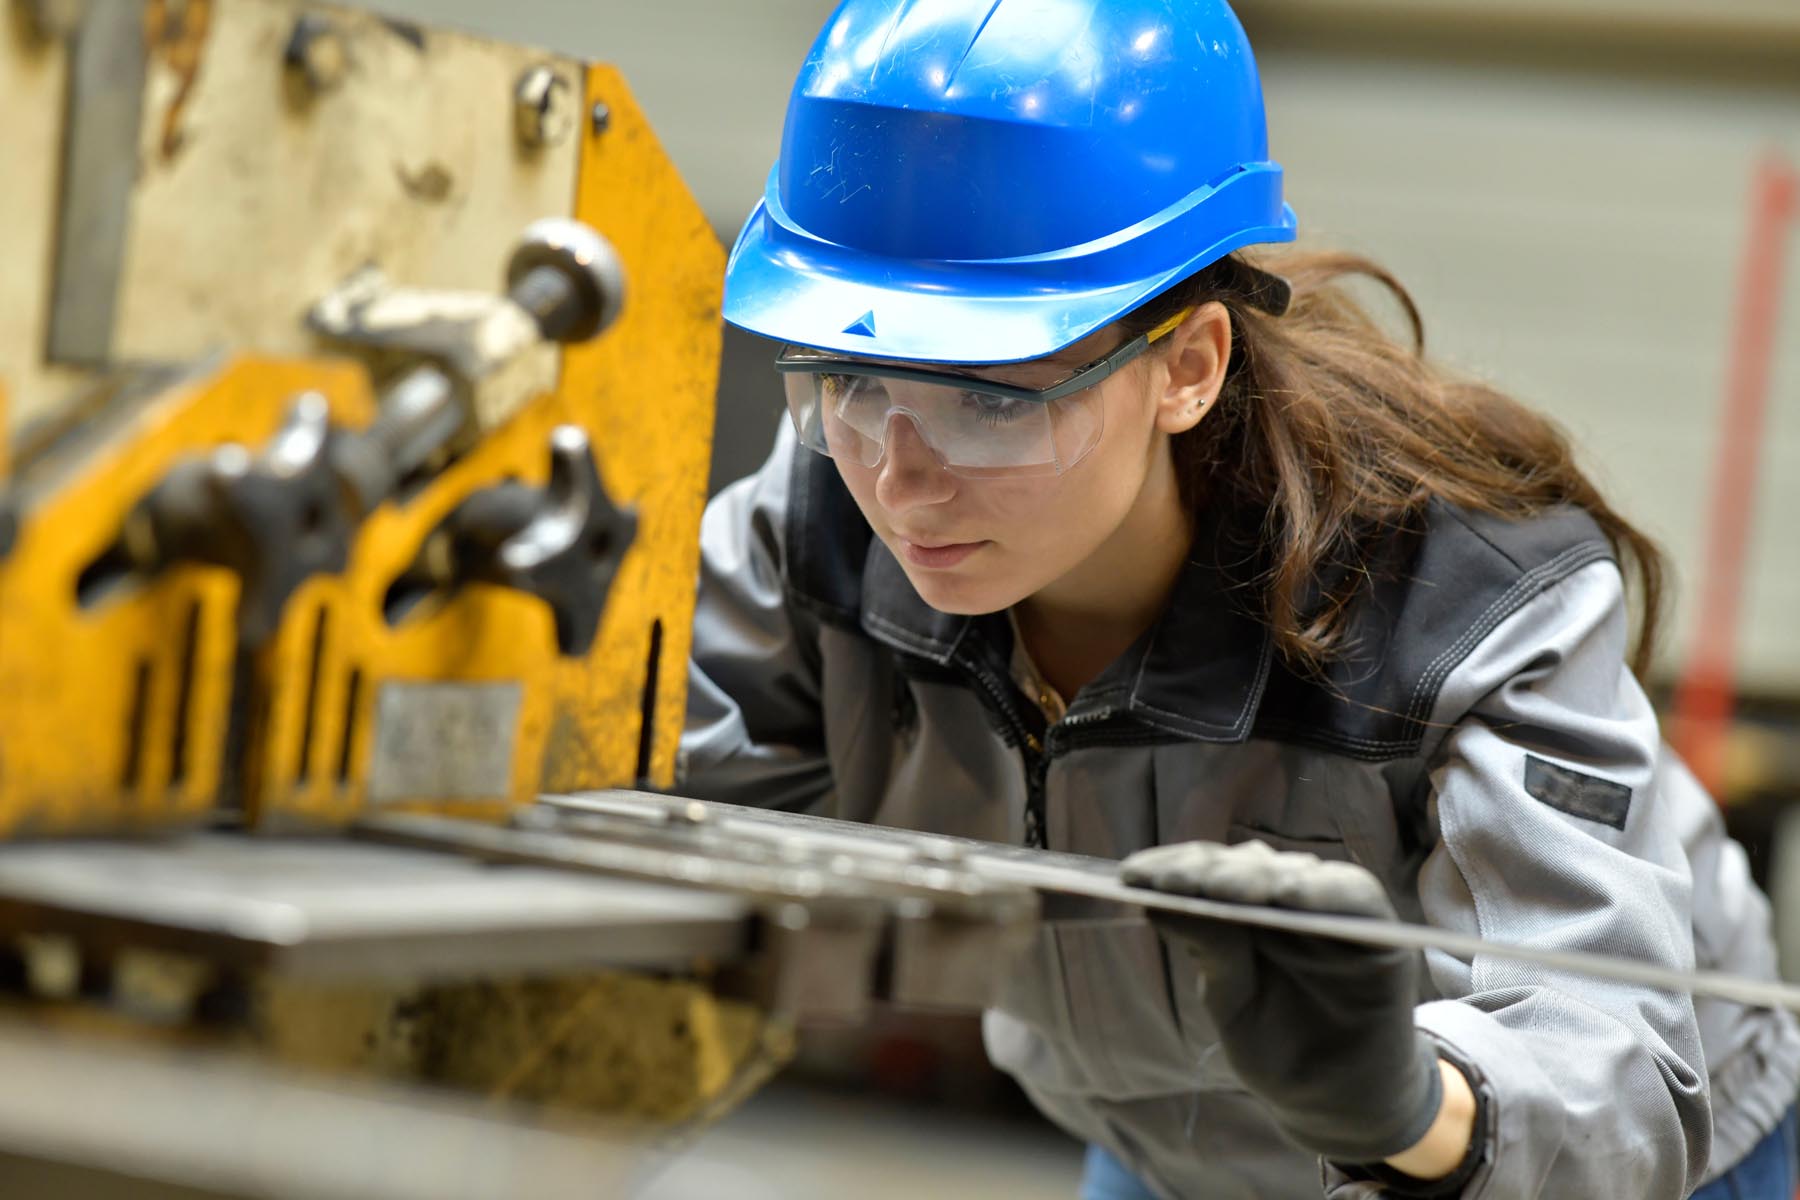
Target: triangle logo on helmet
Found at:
x=863, y=325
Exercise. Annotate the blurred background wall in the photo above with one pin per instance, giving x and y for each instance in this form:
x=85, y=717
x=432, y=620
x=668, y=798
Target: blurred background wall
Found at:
x=1562, y=183
x=1565, y=185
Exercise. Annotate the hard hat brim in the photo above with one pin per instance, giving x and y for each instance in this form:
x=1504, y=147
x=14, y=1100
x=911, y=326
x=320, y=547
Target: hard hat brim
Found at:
x=786, y=285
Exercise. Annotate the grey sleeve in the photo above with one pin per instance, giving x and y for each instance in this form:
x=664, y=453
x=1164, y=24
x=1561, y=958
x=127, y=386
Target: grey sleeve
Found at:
x=754, y=732
x=1552, y=832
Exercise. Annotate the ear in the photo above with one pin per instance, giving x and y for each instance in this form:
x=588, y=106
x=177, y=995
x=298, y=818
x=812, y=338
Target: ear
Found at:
x=1194, y=359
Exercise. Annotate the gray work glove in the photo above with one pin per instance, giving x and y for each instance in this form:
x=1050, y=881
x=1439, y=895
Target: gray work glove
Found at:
x=1321, y=1030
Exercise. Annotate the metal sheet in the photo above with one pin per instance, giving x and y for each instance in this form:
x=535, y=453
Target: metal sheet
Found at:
x=331, y=908
x=858, y=882
x=1096, y=880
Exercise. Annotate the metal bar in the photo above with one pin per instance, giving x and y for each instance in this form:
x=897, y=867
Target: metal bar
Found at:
x=1097, y=879
x=101, y=117
x=1372, y=932
x=852, y=888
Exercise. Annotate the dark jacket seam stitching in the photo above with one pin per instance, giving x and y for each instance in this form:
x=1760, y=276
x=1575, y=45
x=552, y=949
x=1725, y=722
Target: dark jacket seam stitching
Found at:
x=915, y=643
x=1526, y=587
x=1241, y=724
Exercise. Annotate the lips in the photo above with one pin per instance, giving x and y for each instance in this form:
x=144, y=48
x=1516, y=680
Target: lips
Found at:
x=939, y=555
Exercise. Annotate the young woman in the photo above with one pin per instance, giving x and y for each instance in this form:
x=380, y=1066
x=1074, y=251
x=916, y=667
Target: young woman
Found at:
x=1095, y=531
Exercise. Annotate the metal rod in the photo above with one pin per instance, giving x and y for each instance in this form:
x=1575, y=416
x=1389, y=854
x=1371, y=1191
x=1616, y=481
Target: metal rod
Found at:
x=1049, y=873
x=1404, y=934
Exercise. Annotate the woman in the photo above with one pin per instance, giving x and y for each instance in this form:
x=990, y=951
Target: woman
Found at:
x=1096, y=532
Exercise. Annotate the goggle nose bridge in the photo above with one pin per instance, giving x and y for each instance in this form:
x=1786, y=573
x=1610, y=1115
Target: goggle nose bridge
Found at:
x=920, y=426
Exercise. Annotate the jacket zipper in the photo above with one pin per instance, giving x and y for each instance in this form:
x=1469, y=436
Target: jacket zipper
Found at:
x=1031, y=749
x=1036, y=754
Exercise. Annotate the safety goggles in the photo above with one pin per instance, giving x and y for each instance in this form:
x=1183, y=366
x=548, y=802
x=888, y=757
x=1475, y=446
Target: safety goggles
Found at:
x=1033, y=418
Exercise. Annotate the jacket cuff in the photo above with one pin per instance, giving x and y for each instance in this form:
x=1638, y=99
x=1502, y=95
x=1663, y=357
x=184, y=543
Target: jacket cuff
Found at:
x=1370, y=1181
x=1390, y=1182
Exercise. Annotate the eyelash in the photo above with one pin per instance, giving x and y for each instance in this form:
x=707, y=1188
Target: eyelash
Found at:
x=1010, y=410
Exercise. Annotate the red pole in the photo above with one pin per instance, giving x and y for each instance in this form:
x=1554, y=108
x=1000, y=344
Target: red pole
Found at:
x=1704, y=694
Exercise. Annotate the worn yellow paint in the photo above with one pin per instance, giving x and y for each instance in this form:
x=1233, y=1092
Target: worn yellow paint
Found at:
x=479, y=635
x=83, y=743
x=645, y=1049
x=632, y=1046
x=644, y=394
x=647, y=387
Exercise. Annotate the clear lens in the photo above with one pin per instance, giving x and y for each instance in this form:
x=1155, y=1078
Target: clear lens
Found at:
x=972, y=433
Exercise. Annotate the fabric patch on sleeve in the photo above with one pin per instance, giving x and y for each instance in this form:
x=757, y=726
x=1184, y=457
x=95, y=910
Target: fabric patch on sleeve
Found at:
x=1579, y=795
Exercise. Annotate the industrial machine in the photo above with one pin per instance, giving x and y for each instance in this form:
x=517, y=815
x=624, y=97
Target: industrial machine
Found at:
x=357, y=386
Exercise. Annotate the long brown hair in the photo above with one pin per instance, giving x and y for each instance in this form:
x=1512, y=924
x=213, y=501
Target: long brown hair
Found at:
x=1337, y=434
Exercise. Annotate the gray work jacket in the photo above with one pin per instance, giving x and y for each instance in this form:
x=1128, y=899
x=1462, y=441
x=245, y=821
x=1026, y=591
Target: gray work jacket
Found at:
x=1484, y=751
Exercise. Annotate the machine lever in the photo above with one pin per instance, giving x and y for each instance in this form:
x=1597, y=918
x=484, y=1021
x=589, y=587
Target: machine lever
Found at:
x=561, y=543
x=275, y=519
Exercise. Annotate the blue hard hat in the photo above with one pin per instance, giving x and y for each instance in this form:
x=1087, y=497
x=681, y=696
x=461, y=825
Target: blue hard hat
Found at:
x=975, y=181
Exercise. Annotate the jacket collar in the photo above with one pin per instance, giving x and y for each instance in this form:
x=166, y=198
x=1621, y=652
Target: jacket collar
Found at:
x=1198, y=672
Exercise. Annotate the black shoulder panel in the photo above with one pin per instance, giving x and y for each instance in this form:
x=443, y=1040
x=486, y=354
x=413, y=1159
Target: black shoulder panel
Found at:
x=1435, y=593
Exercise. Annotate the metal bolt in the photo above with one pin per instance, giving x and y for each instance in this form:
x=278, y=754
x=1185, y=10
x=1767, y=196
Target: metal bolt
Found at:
x=600, y=117
x=568, y=278
x=316, y=54
x=543, y=107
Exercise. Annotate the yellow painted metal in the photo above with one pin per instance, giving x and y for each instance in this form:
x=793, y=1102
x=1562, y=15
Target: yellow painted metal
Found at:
x=651, y=386
x=115, y=711
x=644, y=394
x=113, y=715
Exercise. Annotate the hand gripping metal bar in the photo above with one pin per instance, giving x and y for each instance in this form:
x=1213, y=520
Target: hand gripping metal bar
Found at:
x=1097, y=879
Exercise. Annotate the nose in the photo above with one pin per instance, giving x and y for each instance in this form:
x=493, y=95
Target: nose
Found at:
x=910, y=474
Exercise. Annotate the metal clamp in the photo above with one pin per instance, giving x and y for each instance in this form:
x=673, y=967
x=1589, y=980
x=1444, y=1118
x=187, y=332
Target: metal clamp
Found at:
x=561, y=543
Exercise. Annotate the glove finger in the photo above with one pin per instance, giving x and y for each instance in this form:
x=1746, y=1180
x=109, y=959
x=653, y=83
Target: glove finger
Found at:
x=1253, y=873
x=1172, y=868
x=1193, y=868
x=1331, y=887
